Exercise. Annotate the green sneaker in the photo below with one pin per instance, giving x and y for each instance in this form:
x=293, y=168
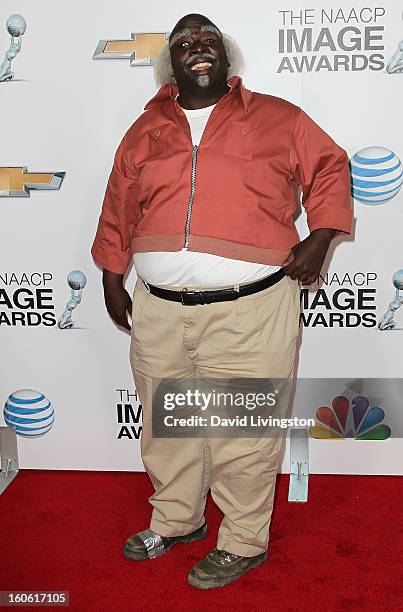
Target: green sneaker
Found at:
x=148, y=544
x=220, y=568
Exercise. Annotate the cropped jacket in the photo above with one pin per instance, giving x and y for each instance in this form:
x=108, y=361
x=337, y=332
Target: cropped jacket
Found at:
x=235, y=194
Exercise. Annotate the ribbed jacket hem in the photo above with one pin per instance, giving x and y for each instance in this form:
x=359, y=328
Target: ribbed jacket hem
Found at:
x=208, y=244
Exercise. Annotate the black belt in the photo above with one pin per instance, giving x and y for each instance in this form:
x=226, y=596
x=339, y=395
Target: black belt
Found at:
x=191, y=298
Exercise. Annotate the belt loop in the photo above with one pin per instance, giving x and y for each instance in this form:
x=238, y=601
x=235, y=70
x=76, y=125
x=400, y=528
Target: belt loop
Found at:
x=236, y=287
x=147, y=285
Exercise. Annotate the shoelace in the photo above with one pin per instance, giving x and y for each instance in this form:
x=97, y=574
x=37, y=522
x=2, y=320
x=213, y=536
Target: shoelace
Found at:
x=222, y=556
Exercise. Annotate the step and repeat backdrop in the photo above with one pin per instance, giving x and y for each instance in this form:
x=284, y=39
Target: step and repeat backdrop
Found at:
x=73, y=77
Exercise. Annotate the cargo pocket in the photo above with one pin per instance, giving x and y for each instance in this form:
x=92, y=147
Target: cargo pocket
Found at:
x=160, y=141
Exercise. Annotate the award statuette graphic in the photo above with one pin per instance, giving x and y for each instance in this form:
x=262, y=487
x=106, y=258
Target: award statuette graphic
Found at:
x=16, y=26
x=387, y=321
x=77, y=281
x=395, y=64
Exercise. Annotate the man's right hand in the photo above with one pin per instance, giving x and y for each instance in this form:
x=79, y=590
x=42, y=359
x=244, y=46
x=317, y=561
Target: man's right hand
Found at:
x=117, y=300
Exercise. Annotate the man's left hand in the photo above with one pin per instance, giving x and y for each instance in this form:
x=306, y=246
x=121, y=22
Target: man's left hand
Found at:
x=306, y=258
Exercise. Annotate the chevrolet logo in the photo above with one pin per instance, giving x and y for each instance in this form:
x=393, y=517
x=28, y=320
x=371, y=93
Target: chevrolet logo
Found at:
x=16, y=181
x=141, y=48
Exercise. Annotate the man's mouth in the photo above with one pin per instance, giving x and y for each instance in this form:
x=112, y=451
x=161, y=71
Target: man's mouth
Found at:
x=201, y=66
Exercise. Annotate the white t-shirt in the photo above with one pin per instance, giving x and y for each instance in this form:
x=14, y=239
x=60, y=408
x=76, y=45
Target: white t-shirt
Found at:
x=189, y=268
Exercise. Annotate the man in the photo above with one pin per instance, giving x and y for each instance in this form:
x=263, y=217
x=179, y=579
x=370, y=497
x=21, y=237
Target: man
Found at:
x=202, y=191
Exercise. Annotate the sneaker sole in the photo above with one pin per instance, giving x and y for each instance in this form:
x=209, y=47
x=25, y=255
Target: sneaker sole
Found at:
x=142, y=555
x=196, y=582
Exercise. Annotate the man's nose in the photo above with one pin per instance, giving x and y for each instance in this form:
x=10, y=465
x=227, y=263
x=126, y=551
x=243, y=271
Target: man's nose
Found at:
x=198, y=47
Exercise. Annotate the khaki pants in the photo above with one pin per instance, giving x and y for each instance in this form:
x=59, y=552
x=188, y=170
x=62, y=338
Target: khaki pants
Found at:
x=254, y=336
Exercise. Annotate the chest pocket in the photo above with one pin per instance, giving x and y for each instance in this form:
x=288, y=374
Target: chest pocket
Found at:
x=160, y=140
x=240, y=139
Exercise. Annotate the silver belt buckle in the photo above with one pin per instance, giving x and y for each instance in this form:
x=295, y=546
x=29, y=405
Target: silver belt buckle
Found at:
x=184, y=290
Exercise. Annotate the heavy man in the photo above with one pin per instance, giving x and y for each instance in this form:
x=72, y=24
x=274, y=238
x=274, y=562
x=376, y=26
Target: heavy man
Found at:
x=203, y=194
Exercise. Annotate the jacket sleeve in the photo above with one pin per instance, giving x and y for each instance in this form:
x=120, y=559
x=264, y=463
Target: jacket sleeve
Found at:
x=321, y=167
x=120, y=214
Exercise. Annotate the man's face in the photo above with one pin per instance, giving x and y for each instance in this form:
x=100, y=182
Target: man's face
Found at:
x=198, y=55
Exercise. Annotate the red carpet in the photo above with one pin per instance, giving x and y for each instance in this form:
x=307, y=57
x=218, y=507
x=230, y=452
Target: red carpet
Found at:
x=343, y=550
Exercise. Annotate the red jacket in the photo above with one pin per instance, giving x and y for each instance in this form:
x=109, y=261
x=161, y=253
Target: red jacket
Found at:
x=234, y=194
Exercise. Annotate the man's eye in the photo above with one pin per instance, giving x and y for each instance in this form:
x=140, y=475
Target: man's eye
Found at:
x=184, y=43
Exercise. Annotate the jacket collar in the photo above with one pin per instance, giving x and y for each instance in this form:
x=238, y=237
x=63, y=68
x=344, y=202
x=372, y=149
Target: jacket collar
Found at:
x=171, y=90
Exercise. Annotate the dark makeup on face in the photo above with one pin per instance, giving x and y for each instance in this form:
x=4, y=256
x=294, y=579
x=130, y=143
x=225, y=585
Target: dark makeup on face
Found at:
x=199, y=62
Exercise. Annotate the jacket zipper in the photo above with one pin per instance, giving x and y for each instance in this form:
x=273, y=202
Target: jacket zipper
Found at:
x=192, y=195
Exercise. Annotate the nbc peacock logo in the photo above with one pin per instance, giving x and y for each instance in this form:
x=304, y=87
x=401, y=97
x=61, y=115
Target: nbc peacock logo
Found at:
x=345, y=419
